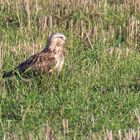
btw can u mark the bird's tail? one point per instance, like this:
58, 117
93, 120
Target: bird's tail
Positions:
8, 74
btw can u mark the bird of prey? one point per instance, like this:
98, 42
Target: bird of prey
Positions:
50, 59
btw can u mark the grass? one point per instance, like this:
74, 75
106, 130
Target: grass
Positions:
97, 94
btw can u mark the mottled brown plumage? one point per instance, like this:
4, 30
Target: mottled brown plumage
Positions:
48, 60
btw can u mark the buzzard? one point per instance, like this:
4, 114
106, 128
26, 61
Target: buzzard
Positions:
50, 59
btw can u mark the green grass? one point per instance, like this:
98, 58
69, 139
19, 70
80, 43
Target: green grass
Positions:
98, 88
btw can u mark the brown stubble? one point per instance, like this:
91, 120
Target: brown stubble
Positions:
89, 31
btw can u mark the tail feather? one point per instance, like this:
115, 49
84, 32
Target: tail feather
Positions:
8, 74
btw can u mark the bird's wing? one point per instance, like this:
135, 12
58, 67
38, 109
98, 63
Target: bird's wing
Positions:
38, 63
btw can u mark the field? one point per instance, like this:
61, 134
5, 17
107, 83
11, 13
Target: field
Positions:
97, 94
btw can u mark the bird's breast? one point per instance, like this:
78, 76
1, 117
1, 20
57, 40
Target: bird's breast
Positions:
59, 63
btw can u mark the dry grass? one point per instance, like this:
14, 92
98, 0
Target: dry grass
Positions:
103, 45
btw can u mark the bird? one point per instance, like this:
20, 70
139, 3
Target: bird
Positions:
49, 60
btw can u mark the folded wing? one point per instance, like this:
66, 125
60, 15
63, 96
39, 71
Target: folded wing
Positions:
37, 64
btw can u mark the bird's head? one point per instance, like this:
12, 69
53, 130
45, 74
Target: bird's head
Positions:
56, 41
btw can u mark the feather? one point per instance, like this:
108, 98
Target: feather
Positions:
51, 58
8, 74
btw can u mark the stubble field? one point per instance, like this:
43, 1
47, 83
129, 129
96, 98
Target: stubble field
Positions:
96, 96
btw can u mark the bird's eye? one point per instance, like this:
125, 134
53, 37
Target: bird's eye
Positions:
61, 37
